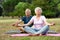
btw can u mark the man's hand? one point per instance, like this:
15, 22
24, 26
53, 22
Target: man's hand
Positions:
15, 24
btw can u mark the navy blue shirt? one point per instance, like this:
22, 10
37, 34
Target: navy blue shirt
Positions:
26, 20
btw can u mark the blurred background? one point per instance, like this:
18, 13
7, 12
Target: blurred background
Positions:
12, 10
16, 8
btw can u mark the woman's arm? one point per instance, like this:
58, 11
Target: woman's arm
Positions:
30, 22
46, 23
50, 24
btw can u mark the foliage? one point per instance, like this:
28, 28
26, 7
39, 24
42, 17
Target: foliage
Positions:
51, 8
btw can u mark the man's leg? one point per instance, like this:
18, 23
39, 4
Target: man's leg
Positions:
21, 29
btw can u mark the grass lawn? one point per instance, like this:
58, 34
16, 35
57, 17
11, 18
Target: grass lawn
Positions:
5, 25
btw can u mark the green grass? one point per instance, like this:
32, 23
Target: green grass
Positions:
5, 25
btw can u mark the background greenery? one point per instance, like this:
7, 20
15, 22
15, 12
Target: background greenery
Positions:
12, 8
51, 8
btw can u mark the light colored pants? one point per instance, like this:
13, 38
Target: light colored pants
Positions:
43, 30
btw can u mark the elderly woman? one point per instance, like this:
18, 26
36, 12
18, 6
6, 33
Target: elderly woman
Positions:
40, 25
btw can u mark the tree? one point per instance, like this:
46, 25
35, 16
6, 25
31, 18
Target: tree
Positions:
51, 8
1, 10
20, 8
9, 6
48, 7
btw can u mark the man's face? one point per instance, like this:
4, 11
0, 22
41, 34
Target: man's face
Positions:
27, 13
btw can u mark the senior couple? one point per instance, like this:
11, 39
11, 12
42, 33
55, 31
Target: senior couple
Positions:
36, 25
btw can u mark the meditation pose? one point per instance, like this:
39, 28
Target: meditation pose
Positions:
40, 25
25, 19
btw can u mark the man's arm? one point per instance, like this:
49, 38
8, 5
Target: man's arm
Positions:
16, 23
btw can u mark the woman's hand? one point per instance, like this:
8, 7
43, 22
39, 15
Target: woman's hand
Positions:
21, 25
52, 24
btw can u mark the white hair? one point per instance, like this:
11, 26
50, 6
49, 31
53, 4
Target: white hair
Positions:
38, 8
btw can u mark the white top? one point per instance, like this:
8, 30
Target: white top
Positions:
37, 24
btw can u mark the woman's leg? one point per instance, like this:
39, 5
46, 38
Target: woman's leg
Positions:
29, 30
43, 30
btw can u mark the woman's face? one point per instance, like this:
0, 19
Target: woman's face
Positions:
38, 12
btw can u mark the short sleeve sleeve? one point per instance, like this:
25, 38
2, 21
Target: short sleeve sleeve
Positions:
32, 19
43, 18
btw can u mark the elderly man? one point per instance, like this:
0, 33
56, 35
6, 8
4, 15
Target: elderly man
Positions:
25, 19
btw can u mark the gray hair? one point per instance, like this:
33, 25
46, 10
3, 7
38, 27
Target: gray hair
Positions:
38, 8
28, 10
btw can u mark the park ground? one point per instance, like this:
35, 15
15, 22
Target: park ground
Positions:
5, 25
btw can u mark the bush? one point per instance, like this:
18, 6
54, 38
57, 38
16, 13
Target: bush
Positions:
9, 5
51, 8
58, 6
49, 14
32, 8
20, 8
